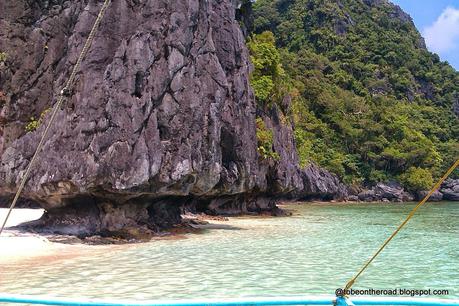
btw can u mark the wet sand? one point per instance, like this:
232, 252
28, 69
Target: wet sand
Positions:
23, 248
16, 246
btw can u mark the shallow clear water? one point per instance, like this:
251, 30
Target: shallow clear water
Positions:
314, 252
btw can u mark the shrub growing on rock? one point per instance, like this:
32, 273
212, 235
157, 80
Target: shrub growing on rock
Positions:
417, 179
3, 57
265, 141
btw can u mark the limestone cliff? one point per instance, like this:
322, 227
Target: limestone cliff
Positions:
162, 115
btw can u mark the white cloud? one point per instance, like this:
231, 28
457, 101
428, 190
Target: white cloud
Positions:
443, 34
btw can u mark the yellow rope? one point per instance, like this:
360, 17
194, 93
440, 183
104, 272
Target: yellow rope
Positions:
410, 215
57, 106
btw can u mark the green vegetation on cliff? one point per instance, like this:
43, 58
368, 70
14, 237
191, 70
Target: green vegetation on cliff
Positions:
268, 77
3, 57
370, 103
265, 141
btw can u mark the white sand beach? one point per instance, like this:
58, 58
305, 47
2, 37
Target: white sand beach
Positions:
18, 246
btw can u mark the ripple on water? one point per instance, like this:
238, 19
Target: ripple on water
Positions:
313, 252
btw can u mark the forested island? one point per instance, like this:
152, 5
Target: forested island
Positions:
369, 102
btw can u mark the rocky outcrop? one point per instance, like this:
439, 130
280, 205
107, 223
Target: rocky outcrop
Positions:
234, 205
85, 216
284, 177
450, 190
163, 96
435, 197
161, 114
394, 192
321, 184
386, 192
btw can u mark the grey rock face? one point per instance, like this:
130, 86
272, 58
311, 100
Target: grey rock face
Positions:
163, 96
450, 190
284, 177
384, 192
319, 183
435, 197
367, 196
391, 191
162, 109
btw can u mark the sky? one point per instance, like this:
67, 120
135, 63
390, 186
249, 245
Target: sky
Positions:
438, 22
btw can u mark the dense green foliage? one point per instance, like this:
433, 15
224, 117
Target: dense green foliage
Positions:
370, 103
417, 179
267, 77
265, 139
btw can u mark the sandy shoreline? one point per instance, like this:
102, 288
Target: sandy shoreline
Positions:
24, 248
16, 246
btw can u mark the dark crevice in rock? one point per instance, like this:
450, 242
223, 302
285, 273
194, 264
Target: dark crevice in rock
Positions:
138, 87
5, 202
228, 146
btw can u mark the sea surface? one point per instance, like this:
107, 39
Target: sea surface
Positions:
313, 252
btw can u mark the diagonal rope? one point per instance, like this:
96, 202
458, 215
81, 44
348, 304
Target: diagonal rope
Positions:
410, 215
65, 91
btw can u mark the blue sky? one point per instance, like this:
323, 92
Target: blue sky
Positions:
438, 22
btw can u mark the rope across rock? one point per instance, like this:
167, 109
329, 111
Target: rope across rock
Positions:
62, 96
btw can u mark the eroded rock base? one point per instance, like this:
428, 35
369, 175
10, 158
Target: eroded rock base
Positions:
142, 219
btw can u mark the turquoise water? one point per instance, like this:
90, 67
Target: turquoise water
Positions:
314, 252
